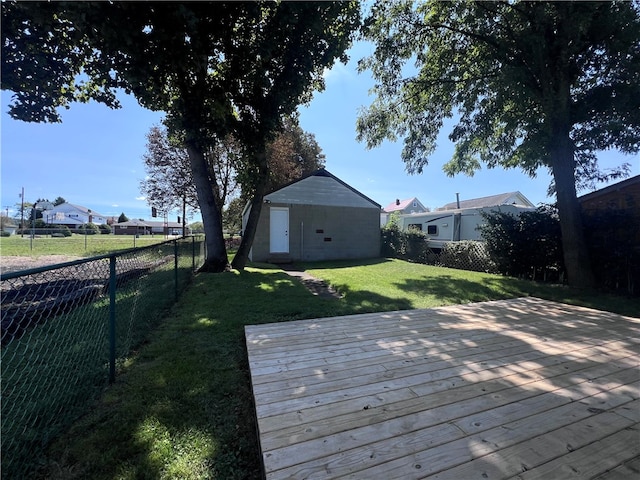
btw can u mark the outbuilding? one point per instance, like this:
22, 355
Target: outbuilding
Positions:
318, 217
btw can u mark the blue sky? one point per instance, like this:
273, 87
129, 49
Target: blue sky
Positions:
94, 158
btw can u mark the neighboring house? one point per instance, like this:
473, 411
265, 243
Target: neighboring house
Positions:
318, 217
620, 196
449, 225
402, 207
144, 227
509, 198
616, 209
71, 215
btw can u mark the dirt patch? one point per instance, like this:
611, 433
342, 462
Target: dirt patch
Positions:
16, 264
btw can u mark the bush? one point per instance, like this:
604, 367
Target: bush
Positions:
528, 245
4, 233
88, 229
466, 255
104, 228
410, 245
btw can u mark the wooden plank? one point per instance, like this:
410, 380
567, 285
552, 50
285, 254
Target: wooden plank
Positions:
317, 421
626, 471
409, 394
400, 441
537, 451
592, 460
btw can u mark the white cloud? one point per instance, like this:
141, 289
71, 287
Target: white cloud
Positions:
143, 198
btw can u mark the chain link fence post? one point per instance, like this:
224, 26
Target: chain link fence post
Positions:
112, 319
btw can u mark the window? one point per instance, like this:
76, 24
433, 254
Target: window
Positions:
432, 230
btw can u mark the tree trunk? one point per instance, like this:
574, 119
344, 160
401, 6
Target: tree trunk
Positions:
216, 256
574, 246
242, 255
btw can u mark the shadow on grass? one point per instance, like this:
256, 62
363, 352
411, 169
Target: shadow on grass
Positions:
183, 406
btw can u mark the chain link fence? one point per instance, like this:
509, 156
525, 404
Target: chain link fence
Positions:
463, 255
66, 327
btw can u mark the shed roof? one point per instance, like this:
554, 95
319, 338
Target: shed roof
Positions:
321, 188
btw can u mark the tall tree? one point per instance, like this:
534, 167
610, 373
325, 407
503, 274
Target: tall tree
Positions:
292, 154
535, 84
169, 181
214, 67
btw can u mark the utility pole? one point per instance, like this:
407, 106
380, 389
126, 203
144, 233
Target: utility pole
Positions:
22, 213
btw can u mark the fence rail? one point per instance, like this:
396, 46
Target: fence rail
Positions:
66, 327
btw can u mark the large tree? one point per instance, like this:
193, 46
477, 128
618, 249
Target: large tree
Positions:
532, 84
214, 67
169, 181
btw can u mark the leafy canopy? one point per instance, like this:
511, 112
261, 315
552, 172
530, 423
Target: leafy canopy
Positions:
505, 69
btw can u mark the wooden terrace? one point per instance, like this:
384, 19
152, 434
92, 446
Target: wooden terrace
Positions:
522, 388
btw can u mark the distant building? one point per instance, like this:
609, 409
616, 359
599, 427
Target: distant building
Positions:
145, 227
409, 206
450, 223
71, 215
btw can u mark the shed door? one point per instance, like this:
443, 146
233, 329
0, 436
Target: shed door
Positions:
279, 230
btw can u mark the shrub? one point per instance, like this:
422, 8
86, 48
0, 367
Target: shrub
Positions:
88, 229
467, 255
526, 245
4, 233
104, 228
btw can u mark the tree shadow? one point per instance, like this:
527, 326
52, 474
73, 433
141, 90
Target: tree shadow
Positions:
461, 388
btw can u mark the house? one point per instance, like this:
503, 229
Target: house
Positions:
613, 213
620, 196
509, 198
402, 207
448, 224
318, 217
71, 215
144, 227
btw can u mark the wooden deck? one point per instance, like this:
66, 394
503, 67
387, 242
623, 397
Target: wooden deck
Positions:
522, 388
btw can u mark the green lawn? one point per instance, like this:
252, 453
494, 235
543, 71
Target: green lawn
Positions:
182, 407
75, 245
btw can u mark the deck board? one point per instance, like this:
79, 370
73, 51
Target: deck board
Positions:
522, 388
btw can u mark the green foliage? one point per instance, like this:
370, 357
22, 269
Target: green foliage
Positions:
88, 229
4, 234
498, 66
526, 245
214, 68
466, 255
410, 245
613, 236
104, 228
197, 227
59, 201
532, 84
123, 218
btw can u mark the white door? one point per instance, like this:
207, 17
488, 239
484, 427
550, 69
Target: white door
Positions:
279, 233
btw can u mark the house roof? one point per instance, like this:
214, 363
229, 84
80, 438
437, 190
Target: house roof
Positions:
288, 194
509, 198
79, 208
611, 188
401, 204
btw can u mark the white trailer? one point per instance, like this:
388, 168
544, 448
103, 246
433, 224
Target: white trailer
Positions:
443, 226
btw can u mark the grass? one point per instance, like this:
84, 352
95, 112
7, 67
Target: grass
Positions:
75, 245
182, 407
